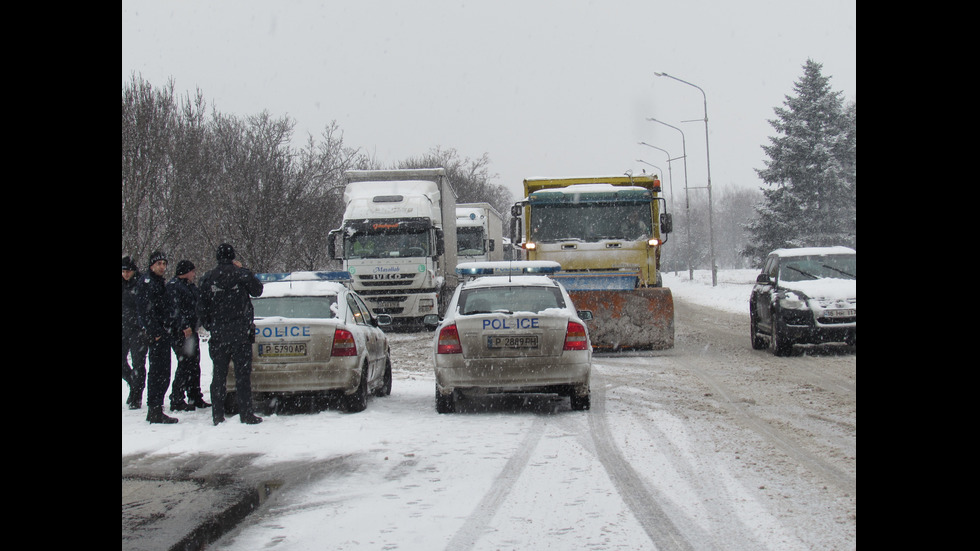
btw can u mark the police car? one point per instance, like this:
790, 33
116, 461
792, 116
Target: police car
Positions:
510, 328
315, 336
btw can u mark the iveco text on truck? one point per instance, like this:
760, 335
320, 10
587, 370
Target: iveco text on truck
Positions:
479, 233
606, 233
398, 240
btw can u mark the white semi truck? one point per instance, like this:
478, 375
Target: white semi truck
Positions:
398, 240
479, 233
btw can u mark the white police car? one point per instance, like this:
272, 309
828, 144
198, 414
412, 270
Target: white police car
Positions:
315, 336
517, 333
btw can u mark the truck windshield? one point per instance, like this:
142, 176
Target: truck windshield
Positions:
591, 221
384, 245
469, 241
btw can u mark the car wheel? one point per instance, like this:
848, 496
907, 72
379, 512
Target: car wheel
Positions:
758, 342
385, 388
580, 403
358, 400
781, 345
445, 404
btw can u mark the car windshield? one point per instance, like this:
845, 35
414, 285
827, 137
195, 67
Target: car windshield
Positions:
509, 299
808, 268
296, 307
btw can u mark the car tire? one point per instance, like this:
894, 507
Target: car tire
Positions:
357, 401
758, 342
781, 345
580, 403
385, 388
445, 404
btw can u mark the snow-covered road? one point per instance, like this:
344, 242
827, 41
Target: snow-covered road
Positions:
710, 445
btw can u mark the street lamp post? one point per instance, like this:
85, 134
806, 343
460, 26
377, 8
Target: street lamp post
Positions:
711, 230
670, 171
687, 198
649, 164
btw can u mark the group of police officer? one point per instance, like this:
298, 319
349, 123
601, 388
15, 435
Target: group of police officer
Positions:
159, 316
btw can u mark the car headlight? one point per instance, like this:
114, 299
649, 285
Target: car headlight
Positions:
793, 300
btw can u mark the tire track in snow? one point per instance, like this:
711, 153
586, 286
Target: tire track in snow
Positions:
476, 524
643, 501
823, 469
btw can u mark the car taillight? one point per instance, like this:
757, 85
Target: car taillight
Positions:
343, 343
575, 337
449, 341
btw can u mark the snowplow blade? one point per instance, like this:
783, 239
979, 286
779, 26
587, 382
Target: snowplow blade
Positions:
637, 319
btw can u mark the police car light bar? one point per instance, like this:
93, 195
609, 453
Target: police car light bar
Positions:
504, 267
304, 276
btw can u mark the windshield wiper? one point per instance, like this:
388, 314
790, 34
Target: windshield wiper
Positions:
852, 276
795, 269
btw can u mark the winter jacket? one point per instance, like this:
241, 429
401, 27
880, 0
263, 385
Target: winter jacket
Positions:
130, 321
155, 308
225, 307
184, 295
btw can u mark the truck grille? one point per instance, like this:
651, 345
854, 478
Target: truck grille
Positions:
389, 280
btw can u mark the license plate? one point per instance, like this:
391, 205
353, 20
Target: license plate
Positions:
840, 313
282, 350
388, 304
512, 341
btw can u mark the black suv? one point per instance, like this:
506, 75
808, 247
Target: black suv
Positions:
806, 296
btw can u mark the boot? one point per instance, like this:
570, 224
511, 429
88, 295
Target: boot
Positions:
135, 399
155, 415
180, 405
250, 419
199, 403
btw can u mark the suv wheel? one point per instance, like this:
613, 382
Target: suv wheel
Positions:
758, 342
781, 345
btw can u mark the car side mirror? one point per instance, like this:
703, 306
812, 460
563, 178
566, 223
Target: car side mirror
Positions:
666, 222
586, 315
763, 279
431, 321
383, 320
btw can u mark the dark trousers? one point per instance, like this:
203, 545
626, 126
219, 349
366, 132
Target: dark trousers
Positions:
239, 351
158, 376
187, 376
133, 345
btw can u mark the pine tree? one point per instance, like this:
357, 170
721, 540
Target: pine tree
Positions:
811, 171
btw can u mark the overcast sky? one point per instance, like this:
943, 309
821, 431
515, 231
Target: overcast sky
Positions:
545, 88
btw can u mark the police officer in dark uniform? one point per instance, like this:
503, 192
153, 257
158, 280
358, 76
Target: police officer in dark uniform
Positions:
156, 315
133, 342
186, 345
225, 310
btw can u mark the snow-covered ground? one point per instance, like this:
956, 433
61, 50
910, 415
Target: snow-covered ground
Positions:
402, 476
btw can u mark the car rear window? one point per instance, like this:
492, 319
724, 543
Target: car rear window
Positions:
295, 307
509, 299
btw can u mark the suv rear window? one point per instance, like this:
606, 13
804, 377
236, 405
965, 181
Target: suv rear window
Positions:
509, 299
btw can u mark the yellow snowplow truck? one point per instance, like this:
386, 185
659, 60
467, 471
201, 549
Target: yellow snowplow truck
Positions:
606, 232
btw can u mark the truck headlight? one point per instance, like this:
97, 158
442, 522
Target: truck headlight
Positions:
426, 304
